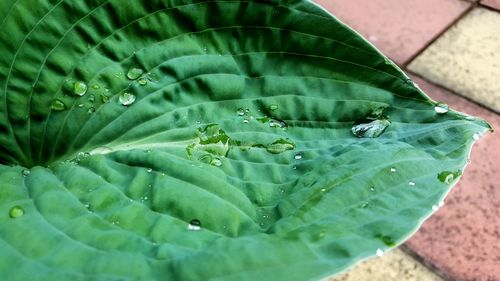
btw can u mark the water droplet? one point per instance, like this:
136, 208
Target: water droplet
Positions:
26, 172
273, 107
143, 81
448, 177
393, 170
144, 198
79, 88
240, 111
372, 129
411, 183
57, 105
198, 122
127, 99
245, 121
80, 105
95, 87
364, 205
149, 170
323, 189
194, 225
441, 204
134, 73
104, 98
87, 205
435, 207
297, 156
273, 123
380, 252
16, 212
476, 136
441, 108
372, 189
91, 110
469, 161
280, 146
91, 98
216, 162
294, 168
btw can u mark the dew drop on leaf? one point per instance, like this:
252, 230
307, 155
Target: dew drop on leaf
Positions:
380, 252
372, 129
127, 99
91, 98
273, 107
91, 110
441, 108
216, 162
16, 212
372, 189
448, 177
149, 170
26, 172
240, 112
80, 88
134, 73
95, 87
57, 105
143, 81
273, 123
476, 136
435, 207
298, 156
393, 170
194, 225
411, 183
280, 146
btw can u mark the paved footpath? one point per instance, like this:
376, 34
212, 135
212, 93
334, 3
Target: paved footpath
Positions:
451, 48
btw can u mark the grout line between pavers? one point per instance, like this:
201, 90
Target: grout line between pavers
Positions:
437, 84
444, 30
426, 263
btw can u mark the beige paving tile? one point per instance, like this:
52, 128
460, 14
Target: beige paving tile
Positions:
466, 58
393, 266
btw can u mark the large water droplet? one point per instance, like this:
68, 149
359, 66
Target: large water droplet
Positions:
134, 73
127, 99
194, 225
441, 108
57, 105
280, 146
16, 212
79, 88
211, 139
372, 129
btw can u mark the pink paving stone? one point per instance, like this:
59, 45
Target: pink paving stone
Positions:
492, 3
462, 240
400, 29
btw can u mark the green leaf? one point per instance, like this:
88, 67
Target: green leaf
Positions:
208, 140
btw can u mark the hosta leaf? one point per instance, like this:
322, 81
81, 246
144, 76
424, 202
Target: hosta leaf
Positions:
208, 140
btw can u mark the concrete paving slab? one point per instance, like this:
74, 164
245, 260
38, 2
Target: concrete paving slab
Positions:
495, 4
393, 266
462, 240
466, 59
400, 29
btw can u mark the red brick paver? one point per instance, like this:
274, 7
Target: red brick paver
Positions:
462, 240
400, 29
495, 4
